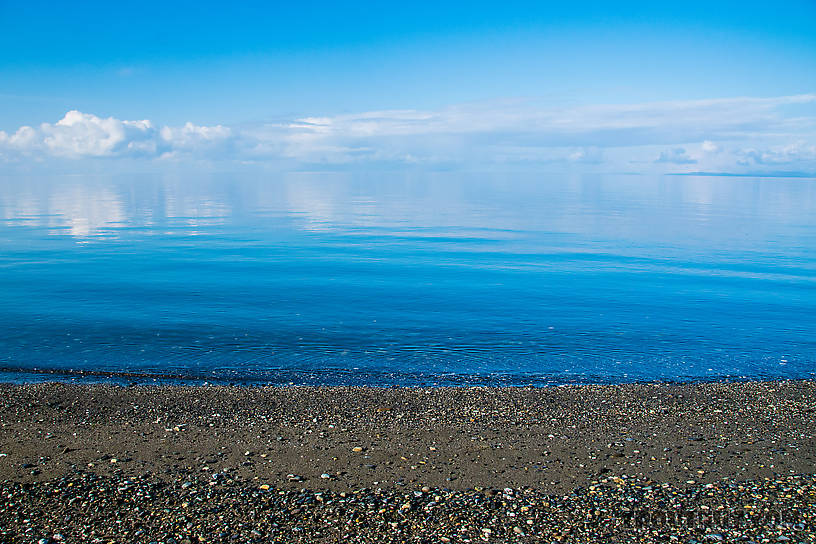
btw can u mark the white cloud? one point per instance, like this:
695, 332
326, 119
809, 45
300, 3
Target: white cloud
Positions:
525, 130
84, 135
677, 155
757, 131
586, 155
793, 153
192, 137
24, 138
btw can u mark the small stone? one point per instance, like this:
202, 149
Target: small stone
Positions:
356, 449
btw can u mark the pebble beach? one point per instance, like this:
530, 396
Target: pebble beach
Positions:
705, 462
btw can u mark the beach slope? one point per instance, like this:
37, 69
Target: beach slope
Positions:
224, 464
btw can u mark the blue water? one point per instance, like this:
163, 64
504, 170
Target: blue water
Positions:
441, 278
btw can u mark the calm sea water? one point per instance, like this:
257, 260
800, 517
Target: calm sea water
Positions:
408, 279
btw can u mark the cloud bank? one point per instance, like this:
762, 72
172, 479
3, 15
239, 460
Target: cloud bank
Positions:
718, 135
83, 135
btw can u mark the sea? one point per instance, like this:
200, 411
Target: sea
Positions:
406, 278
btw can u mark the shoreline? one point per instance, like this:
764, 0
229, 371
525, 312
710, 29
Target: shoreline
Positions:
467, 443
13, 375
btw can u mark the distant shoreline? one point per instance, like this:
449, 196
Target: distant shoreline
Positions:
795, 175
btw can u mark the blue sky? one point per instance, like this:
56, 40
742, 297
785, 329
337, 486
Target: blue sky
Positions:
295, 85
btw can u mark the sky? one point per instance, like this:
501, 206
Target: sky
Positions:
589, 86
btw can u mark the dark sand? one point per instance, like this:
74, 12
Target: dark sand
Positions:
578, 463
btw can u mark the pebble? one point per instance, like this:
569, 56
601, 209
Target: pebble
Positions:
77, 508
136, 501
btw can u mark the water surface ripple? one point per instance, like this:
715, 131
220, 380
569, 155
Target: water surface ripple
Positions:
407, 279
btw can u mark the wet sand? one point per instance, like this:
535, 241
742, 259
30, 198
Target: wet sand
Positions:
232, 464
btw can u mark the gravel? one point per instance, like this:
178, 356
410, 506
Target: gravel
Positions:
715, 462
